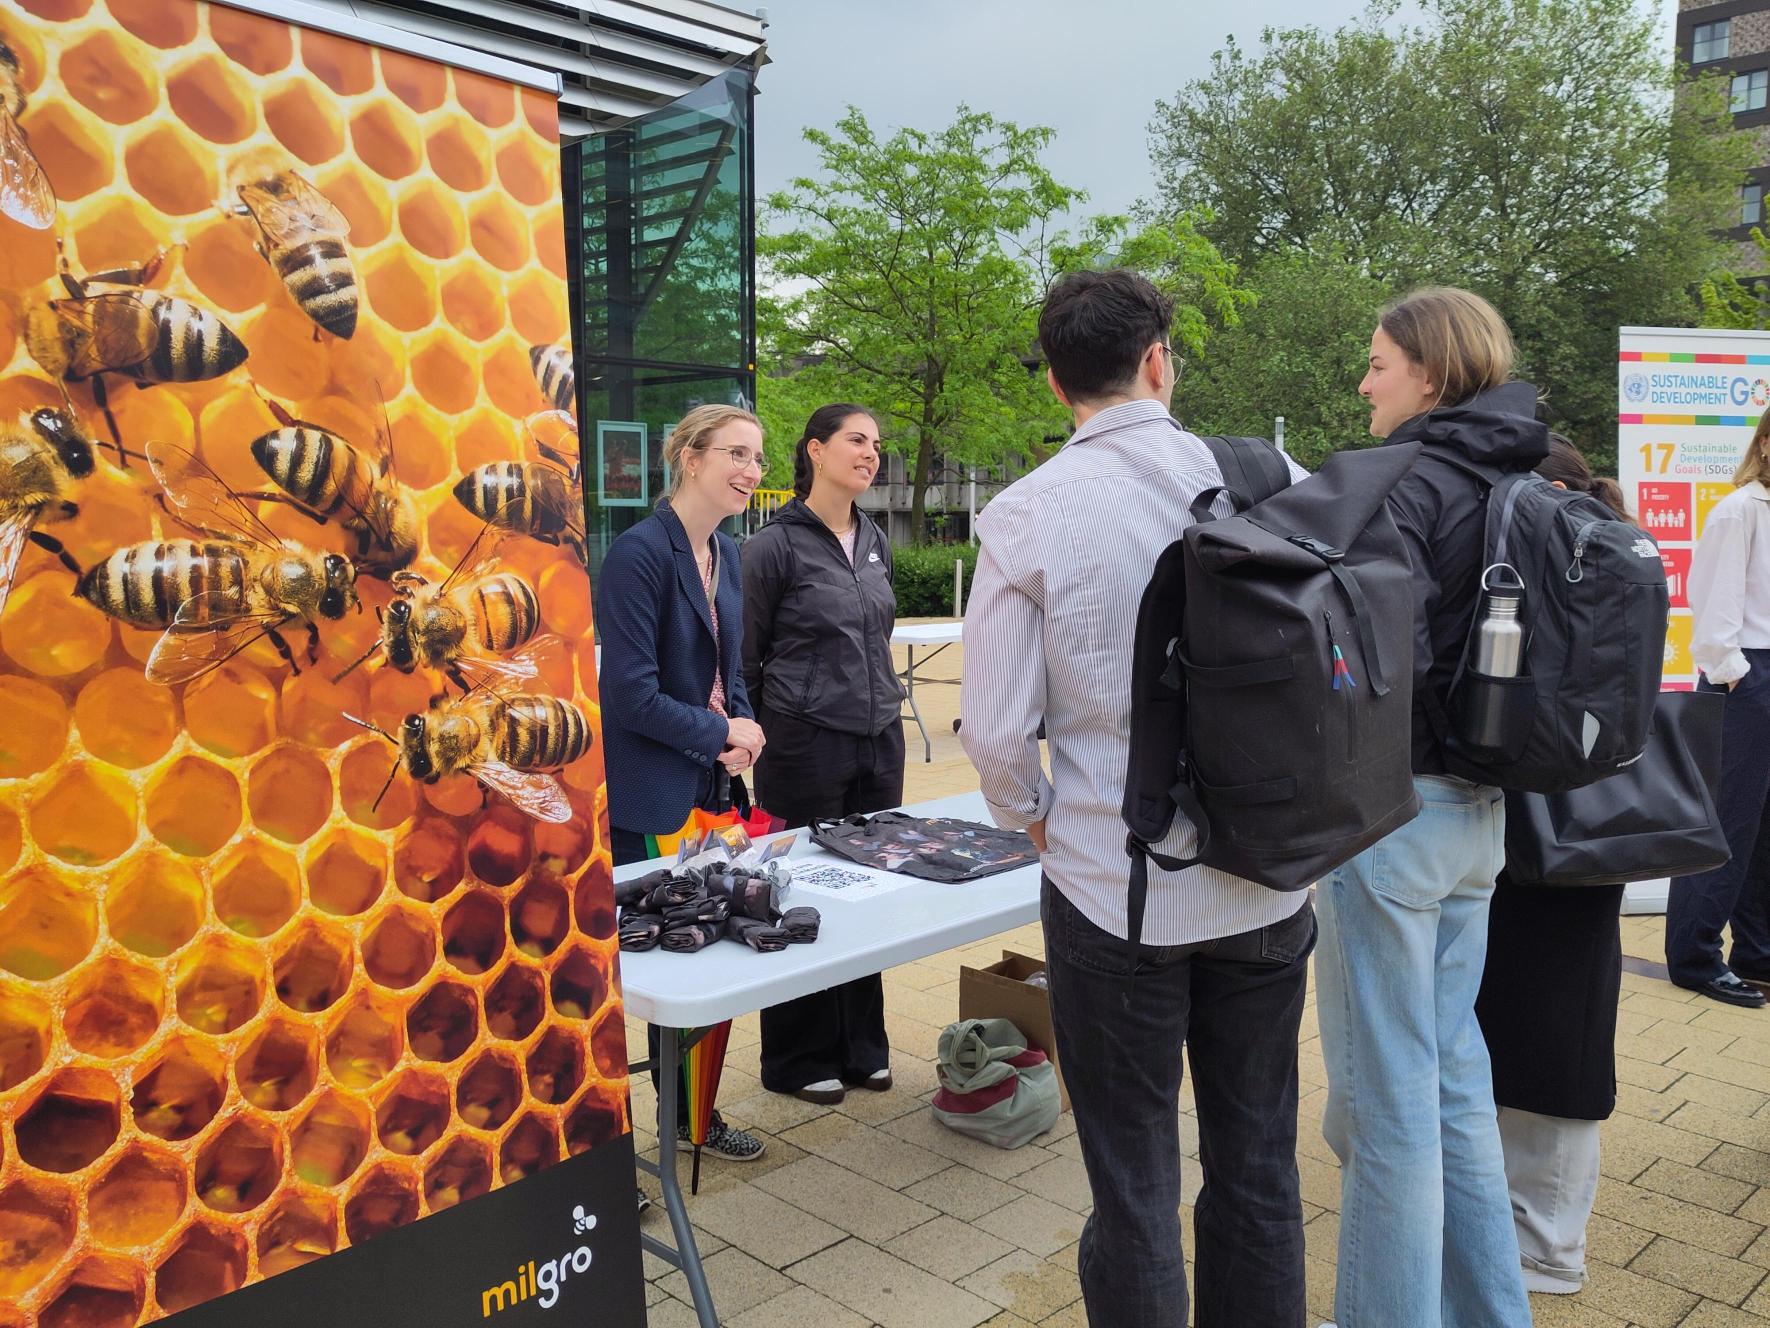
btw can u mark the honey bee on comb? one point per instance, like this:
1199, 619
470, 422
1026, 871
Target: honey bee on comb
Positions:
302, 236
216, 596
25, 192
554, 375
540, 499
42, 456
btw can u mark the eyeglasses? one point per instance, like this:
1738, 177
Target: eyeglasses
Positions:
742, 458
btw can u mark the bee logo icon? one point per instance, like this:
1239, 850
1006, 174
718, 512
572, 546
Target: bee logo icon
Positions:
582, 1221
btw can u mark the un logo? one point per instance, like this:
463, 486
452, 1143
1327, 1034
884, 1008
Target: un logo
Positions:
1635, 388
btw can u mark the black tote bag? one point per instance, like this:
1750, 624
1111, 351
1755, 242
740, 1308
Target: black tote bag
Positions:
1651, 819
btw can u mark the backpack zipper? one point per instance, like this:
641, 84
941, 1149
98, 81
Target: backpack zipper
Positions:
1576, 569
1343, 682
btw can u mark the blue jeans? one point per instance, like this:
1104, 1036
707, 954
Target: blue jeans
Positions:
1235, 1005
1426, 1233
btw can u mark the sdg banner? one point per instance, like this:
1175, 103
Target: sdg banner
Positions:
308, 990
1688, 401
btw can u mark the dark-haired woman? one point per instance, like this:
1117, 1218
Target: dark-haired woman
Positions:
1548, 1012
818, 614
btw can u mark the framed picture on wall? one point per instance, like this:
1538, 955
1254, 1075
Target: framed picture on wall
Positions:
622, 464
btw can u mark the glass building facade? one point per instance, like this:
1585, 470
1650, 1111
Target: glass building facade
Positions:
663, 295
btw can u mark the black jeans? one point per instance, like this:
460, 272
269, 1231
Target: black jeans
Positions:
812, 773
1738, 891
1235, 1004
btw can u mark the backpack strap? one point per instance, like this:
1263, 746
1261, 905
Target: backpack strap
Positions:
1252, 469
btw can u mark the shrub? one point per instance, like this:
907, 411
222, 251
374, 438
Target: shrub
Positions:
922, 576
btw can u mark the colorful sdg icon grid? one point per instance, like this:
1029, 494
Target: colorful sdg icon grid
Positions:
246, 1018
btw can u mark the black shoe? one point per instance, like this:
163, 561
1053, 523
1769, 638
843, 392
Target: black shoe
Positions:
1756, 979
1731, 990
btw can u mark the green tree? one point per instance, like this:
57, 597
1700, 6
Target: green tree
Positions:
1542, 152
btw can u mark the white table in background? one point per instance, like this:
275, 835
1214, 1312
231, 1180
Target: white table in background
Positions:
937, 635
689, 993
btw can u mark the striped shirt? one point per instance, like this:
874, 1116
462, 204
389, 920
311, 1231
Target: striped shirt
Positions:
1065, 554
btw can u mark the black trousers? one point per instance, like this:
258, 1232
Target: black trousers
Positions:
810, 773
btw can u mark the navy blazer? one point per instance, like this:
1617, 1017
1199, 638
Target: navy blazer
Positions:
659, 738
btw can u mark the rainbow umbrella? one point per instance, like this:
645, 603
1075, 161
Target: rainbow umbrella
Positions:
702, 1064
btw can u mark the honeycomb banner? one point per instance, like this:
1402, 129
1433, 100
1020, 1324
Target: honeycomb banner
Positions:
271, 302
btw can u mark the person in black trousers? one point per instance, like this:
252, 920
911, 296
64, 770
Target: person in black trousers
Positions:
818, 614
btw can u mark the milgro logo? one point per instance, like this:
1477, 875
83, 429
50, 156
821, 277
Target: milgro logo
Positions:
542, 1283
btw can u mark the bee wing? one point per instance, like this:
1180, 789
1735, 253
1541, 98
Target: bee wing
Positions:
540, 795
493, 672
473, 564
118, 327
25, 192
292, 209
186, 655
14, 531
202, 500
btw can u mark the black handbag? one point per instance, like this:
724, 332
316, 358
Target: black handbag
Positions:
1651, 819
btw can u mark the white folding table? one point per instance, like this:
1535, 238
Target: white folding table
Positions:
686, 994
937, 635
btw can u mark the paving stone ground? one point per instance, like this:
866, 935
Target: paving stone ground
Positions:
869, 1213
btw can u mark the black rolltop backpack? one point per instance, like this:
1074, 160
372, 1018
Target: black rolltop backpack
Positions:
1272, 682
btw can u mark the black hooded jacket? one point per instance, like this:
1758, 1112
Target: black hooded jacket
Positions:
1442, 512
817, 632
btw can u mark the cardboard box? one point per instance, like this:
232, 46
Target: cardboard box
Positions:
999, 991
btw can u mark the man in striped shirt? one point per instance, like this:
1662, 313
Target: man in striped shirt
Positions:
1222, 962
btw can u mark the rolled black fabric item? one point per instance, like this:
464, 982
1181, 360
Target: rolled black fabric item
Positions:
753, 896
691, 936
759, 936
674, 891
702, 908
640, 931
801, 924
631, 892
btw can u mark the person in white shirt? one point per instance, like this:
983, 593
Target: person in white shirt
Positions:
1221, 965
1730, 594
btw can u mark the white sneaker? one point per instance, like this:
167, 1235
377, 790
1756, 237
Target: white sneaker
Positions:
1547, 1284
825, 1092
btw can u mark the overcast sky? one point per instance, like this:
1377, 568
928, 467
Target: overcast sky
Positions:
1090, 69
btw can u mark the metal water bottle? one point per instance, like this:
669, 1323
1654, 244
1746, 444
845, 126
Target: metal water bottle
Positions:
1489, 707
1499, 639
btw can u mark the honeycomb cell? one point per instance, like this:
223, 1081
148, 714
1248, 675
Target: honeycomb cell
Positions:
72, 1123
421, 84
345, 66
364, 791
289, 793
532, 1145
444, 374
261, 45
36, 1230
11, 839
540, 917
473, 932
348, 873
153, 904
472, 302
527, 171
490, 101
461, 1170
431, 221
461, 155
608, 1044
279, 1066
561, 849
542, 113
452, 529
220, 985
400, 948
103, 1292
155, 22
286, 360
313, 970
206, 1262
489, 1093
24, 1038
510, 380
117, 231
384, 1199
123, 718
550, 240
101, 73
49, 632
239, 1167
73, 147
138, 1200
486, 436
537, 309
414, 1112
365, 203
222, 265
172, 170
556, 1066
85, 815
213, 100
365, 1044
331, 1140
499, 232
499, 847
299, 1229
36, 727
257, 889
47, 925
28, 260
313, 708
515, 1003
387, 139
305, 121
181, 1092
444, 1022
579, 985
231, 711
193, 806
402, 289
113, 1007
421, 442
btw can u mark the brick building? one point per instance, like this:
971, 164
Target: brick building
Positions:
1733, 38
